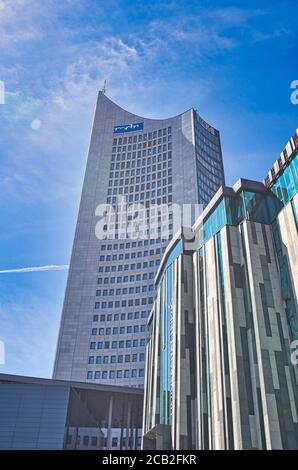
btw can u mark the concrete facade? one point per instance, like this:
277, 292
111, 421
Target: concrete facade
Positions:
110, 289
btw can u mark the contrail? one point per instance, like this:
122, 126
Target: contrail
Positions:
50, 267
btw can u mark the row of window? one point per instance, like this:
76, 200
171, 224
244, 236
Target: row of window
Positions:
125, 279
116, 359
119, 316
130, 255
121, 256
133, 145
127, 267
119, 330
122, 173
135, 150
124, 291
112, 374
95, 441
160, 178
123, 303
142, 137
128, 245
124, 161
140, 195
160, 200
135, 343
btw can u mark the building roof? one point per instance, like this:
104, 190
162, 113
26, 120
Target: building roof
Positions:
20, 379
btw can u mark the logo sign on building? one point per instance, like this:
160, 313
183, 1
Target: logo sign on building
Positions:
206, 126
138, 126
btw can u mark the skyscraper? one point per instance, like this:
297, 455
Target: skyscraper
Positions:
110, 287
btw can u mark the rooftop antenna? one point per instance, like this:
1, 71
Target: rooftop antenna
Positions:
104, 88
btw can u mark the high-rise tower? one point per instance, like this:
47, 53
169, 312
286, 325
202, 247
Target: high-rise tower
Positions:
110, 287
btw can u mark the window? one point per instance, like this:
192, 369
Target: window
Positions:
141, 372
92, 345
105, 374
119, 374
85, 440
127, 357
142, 357
99, 345
105, 359
98, 359
89, 375
115, 439
113, 359
97, 374
91, 360
94, 331
94, 441
134, 373
135, 343
126, 374
128, 343
95, 317
112, 374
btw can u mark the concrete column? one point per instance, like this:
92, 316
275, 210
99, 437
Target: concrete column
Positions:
128, 424
110, 416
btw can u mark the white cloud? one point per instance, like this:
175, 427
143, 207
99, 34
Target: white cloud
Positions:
51, 267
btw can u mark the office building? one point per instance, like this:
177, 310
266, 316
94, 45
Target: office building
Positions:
221, 369
110, 289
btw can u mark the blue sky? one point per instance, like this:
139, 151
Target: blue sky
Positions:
233, 61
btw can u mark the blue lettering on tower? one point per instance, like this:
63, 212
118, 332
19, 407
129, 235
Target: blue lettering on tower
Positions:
138, 126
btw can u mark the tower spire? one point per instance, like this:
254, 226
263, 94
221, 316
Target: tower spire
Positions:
104, 88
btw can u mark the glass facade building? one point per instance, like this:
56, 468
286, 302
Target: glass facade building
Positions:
220, 372
110, 289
